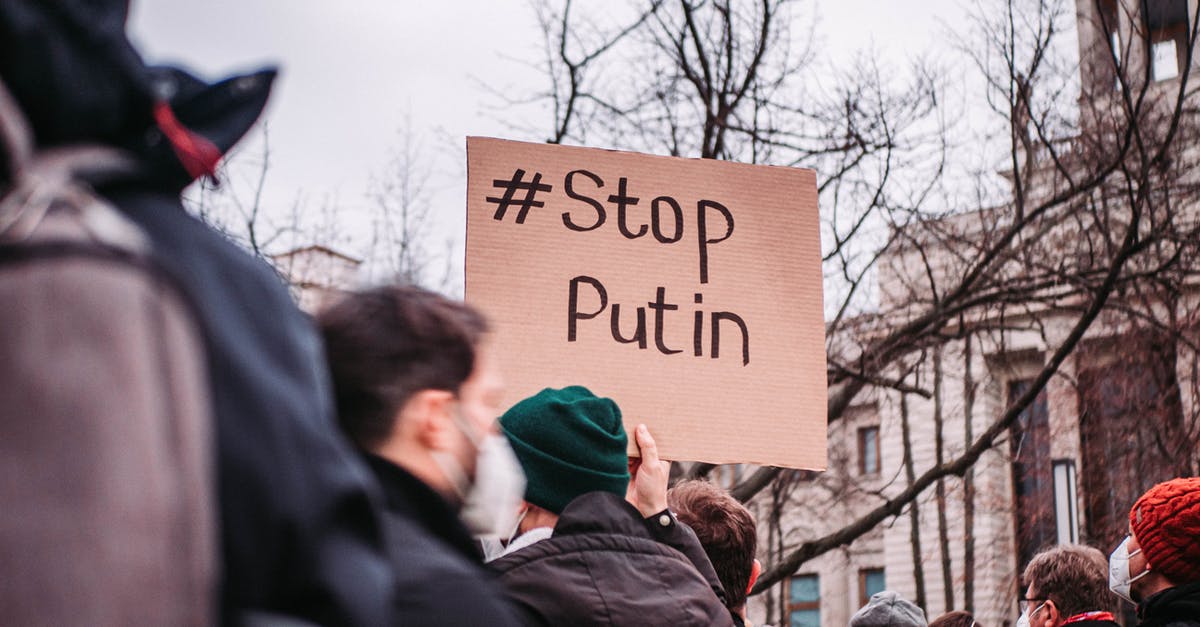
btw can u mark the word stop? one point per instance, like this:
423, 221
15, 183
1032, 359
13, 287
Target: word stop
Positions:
665, 230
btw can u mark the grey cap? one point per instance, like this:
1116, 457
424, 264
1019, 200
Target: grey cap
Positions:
888, 609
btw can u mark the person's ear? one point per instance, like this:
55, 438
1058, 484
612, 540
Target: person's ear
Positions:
755, 571
1051, 617
427, 414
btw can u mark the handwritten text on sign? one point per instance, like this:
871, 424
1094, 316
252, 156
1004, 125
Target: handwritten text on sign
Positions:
588, 213
616, 271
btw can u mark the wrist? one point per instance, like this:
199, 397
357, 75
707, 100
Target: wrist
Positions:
661, 518
650, 509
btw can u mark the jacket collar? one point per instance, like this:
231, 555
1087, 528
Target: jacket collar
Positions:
411, 498
1171, 604
600, 512
529, 538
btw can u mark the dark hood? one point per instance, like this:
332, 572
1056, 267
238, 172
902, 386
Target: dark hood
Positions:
79, 79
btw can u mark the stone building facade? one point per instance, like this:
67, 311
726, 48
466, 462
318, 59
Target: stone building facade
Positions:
1119, 415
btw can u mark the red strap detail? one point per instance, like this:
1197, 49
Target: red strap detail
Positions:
198, 155
1090, 616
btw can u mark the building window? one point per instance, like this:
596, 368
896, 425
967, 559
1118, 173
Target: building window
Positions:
870, 582
1164, 59
1108, 22
1066, 507
1100, 71
1167, 22
1033, 482
804, 601
868, 450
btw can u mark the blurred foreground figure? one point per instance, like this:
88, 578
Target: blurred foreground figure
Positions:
585, 555
130, 332
1158, 565
1067, 584
418, 391
728, 534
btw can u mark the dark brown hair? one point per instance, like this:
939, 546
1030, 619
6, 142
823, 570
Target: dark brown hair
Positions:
385, 344
726, 531
957, 618
1074, 576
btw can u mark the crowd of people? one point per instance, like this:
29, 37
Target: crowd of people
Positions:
1156, 568
180, 445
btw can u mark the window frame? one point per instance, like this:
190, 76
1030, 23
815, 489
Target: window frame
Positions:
1161, 33
802, 605
863, 597
862, 450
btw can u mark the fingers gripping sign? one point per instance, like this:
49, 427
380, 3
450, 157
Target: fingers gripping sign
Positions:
649, 476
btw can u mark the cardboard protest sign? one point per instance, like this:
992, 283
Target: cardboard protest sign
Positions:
687, 290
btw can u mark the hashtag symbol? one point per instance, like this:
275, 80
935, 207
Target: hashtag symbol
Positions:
510, 188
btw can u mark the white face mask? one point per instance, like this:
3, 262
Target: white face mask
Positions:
490, 502
1023, 621
1119, 580
494, 546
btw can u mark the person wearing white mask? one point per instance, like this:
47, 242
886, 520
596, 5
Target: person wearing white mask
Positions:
1067, 585
1157, 566
419, 392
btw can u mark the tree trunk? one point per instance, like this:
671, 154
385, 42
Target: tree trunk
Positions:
913, 510
968, 484
940, 488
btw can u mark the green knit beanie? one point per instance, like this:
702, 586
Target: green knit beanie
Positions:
569, 441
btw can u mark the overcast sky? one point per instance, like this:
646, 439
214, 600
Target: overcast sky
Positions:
352, 70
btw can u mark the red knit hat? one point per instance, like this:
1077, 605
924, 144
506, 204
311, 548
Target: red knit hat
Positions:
1166, 522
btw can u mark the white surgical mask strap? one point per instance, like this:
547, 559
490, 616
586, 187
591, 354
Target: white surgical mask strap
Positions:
1140, 575
517, 525
1144, 572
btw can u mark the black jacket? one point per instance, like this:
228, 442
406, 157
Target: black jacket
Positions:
441, 579
1173, 607
299, 527
299, 530
605, 565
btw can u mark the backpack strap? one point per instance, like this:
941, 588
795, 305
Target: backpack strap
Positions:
60, 178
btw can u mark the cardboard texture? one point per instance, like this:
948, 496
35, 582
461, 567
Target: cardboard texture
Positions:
565, 242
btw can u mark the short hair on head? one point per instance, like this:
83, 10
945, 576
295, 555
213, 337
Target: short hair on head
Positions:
385, 344
726, 530
1074, 576
957, 618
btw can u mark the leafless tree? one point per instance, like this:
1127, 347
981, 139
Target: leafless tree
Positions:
235, 202
391, 234
399, 247
1095, 216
